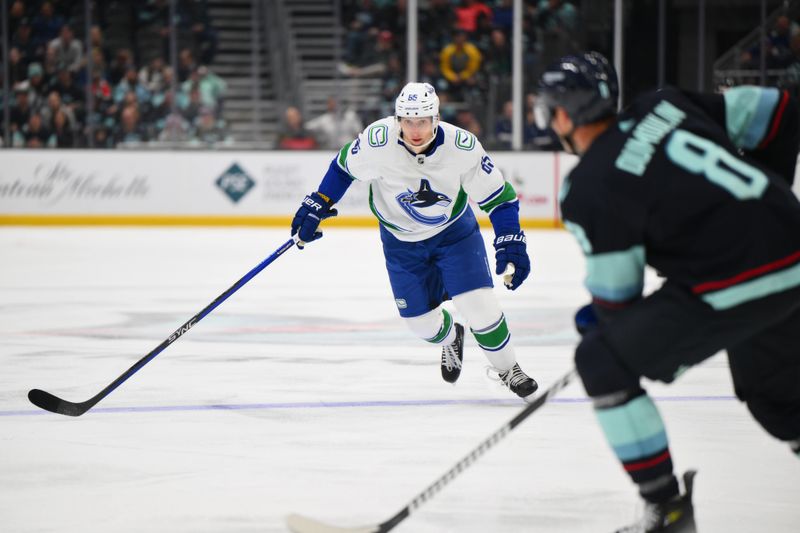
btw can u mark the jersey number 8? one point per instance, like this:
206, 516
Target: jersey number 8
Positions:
702, 156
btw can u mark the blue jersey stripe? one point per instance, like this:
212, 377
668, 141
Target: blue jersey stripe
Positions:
753, 289
748, 111
616, 276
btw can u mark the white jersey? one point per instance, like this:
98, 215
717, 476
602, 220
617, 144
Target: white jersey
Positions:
417, 196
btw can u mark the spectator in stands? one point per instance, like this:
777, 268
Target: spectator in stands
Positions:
466, 120
498, 54
16, 14
175, 129
557, 15
152, 76
459, 62
435, 24
334, 128
23, 41
391, 83
373, 57
557, 22
391, 16
71, 95
161, 102
46, 25
130, 83
212, 88
21, 109
101, 138
97, 40
503, 127
102, 113
67, 50
354, 41
98, 65
62, 131
186, 64
53, 107
429, 73
209, 130
533, 137
503, 16
778, 45
294, 136
35, 134
130, 129
468, 12
122, 62
100, 87
17, 67
190, 106
791, 77
50, 64
37, 84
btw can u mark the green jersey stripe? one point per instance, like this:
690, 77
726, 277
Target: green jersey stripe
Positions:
508, 195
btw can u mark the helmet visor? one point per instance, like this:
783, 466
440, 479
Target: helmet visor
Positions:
543, 111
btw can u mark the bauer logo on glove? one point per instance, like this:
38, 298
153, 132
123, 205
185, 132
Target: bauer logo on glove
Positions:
315, 208
512, 259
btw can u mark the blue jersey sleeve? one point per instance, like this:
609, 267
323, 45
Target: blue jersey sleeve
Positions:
335, 182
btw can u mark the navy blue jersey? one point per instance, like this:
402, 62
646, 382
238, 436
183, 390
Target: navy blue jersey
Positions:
680, 182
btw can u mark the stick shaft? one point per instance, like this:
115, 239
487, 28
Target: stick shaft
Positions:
57, 405
475, 454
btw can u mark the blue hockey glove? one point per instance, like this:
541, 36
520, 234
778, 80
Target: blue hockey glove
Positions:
315, 208
511, 248
585, 319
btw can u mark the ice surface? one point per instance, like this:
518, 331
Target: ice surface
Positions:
305, 393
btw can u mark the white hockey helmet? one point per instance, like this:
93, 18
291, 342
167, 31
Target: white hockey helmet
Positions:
418, 100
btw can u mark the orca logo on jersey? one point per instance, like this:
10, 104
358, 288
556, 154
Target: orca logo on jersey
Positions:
425, 197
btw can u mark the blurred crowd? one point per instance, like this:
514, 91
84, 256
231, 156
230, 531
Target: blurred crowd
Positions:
465, 53
134, 95
127, 100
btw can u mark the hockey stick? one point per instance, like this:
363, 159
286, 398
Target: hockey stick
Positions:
49, 402
301, 524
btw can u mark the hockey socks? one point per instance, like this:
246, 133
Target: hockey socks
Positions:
436, 327
494, 340
634, 429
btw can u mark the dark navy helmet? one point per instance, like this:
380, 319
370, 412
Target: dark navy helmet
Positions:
585, 85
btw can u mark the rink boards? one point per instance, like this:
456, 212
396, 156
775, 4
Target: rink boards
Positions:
40, 187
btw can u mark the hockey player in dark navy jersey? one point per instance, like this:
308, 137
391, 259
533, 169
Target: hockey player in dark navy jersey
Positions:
697, 186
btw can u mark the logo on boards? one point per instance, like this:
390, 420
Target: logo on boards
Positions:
235, 183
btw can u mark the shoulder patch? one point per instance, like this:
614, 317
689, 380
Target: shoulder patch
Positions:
378, 135
465, 140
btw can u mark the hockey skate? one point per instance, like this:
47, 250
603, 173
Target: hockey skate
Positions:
452, 356
518, 381
674, 516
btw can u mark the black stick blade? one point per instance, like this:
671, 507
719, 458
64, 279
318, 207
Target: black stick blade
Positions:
54, 404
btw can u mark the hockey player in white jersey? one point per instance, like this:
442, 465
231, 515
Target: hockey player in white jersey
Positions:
421, 173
